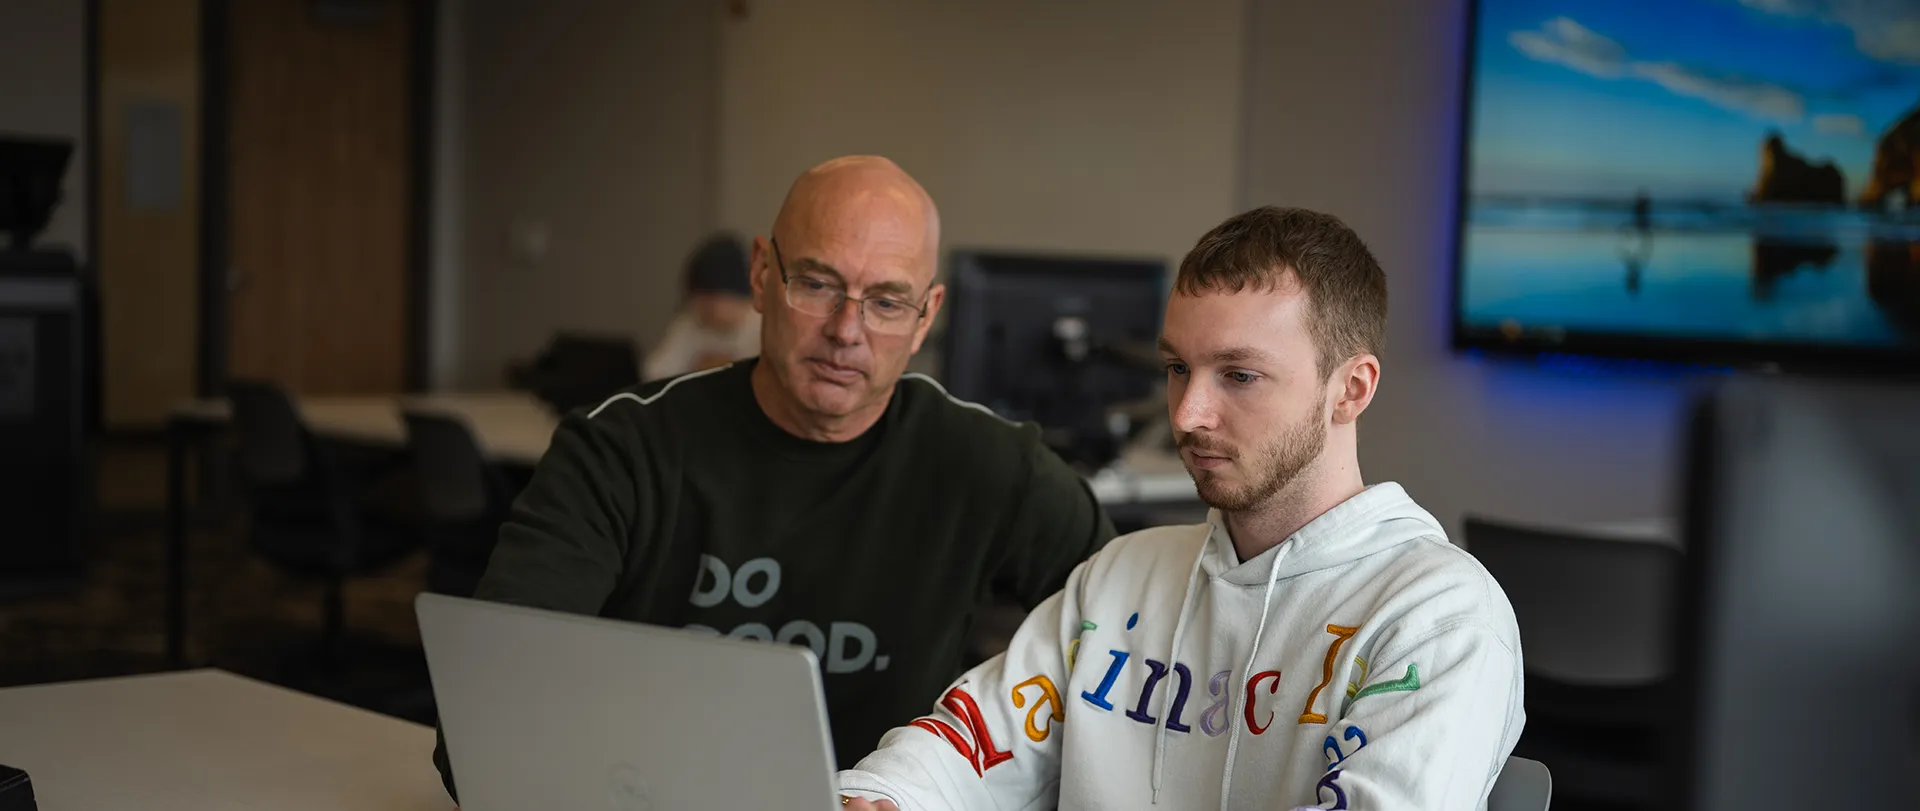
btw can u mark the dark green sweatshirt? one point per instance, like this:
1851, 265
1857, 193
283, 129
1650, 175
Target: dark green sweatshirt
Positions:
680, 503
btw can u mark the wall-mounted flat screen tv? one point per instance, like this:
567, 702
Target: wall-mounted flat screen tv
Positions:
1718, 181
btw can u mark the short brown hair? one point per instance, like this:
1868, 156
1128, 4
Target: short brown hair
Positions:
1258, 250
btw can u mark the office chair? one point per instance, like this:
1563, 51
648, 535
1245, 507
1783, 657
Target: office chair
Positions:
313, 514
1524, 785
463, 500
1595, 617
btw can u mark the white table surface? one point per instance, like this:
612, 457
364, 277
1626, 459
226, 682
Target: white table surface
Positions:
511, 427
207, 740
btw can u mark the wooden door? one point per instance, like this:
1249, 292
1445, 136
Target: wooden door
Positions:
319, 173
149, 206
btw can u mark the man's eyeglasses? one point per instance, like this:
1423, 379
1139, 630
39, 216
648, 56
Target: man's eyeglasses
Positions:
819, 295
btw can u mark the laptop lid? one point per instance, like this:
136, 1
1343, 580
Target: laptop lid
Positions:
544, 709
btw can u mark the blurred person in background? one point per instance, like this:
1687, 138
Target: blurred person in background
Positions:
716, 324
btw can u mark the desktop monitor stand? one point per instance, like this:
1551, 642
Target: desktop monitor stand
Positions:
45, 419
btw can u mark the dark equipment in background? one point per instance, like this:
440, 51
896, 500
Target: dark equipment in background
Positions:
1057, 340
578, 370
31, 170
49, 405
1799, 645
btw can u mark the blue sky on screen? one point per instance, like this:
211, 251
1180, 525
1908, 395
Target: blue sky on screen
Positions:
1603, 98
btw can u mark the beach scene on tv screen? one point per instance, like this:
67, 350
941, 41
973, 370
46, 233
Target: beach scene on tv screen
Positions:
1726, 170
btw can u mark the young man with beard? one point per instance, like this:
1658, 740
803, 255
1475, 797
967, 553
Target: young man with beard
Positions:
1316, 643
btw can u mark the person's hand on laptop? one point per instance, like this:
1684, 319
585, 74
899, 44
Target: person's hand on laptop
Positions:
857, 804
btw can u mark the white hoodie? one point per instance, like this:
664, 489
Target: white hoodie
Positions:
1363, 663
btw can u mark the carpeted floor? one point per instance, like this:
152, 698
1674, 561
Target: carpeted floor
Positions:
243, 614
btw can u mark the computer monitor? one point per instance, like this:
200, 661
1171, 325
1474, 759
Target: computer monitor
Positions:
31, 170
1799, 638
1054, 339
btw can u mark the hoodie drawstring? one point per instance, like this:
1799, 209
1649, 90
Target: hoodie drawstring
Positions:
1233, 737
1179, 632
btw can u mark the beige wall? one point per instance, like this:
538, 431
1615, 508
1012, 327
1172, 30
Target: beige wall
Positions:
43, 92
627, 130
593, 119
1127, 126
1076, 125
1352, 108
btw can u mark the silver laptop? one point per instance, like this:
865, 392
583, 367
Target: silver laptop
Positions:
549, 710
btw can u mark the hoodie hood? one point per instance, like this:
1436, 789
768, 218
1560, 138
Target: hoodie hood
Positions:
1378, 518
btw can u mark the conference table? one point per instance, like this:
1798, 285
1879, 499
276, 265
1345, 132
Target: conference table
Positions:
207, 739
512, 429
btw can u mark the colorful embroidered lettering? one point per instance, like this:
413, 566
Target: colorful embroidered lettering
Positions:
1073, 650
1180, 699
1341, 634
982, 752
1214, 720
1336, 757
1253, 684
960, 744
1360, 677
1404, 684
1098, 698
1157, 672
1049, 696
1331, 782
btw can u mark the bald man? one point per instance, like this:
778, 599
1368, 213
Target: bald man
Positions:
815, 495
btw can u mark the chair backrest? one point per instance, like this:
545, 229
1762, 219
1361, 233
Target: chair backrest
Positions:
1592, 611
451, 473
1524, 785
272, 441
613, 355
